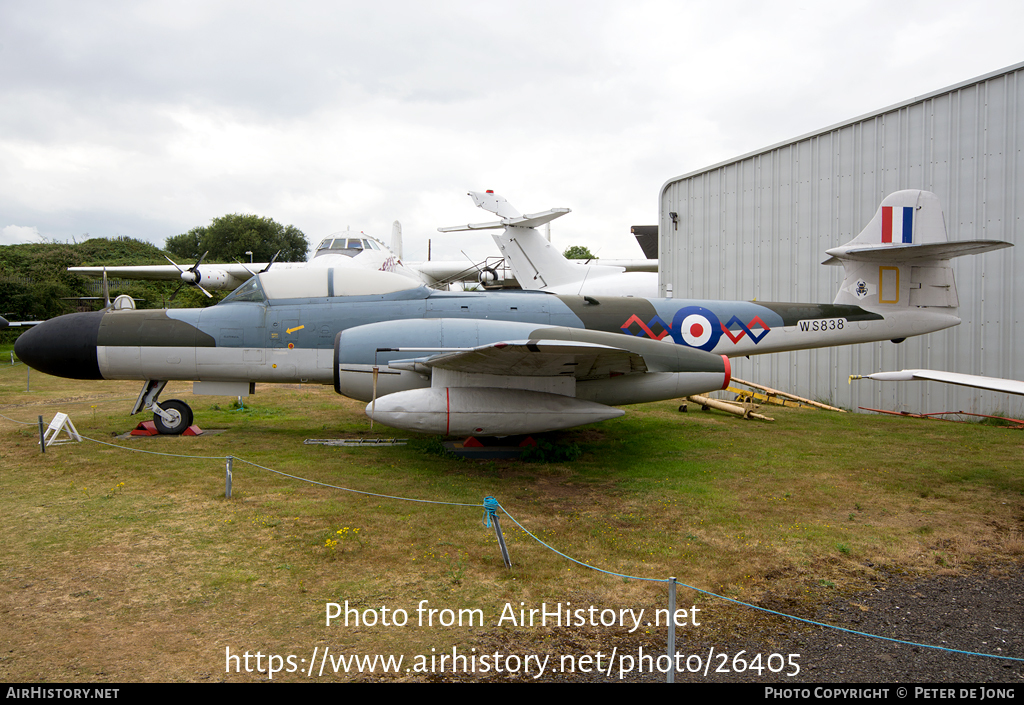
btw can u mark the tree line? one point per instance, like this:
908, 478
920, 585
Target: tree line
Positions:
35, 283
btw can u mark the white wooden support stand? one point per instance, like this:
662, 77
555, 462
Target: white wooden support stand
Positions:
61, 422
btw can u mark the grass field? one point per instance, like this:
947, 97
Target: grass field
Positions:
125, 566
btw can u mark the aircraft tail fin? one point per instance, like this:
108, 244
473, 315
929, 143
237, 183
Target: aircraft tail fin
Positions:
396, 239
901, 258
534, 261
538, 265
490, 201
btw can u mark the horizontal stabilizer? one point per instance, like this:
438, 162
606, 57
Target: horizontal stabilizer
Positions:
535, 219
472, 226
530, 220
911, 253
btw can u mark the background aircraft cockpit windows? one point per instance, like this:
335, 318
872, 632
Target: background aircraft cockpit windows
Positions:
341, 244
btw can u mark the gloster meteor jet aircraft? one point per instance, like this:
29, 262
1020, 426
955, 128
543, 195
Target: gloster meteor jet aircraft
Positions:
501, 363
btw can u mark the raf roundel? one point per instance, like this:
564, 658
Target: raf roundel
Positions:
696, 327
696, 330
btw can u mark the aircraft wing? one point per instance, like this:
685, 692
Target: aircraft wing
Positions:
535, 358
4, 323
996, 384
166, 272
447, 270
463, 271
630, 265
541, 384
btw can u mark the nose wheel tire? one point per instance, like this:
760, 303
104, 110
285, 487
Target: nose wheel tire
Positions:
181, 418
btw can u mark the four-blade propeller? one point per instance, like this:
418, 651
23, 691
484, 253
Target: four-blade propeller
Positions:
190, 276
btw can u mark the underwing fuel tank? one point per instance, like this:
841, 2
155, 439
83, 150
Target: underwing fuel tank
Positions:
483, 411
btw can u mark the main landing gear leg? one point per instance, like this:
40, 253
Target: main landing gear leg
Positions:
172, 417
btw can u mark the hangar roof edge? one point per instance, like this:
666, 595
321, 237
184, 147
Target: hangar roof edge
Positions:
874, 113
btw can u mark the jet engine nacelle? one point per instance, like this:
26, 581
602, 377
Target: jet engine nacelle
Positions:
355, 351
480, 398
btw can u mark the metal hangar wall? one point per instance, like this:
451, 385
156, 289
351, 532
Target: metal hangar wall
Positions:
757, 227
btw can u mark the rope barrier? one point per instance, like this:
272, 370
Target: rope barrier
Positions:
491, 505
758, 608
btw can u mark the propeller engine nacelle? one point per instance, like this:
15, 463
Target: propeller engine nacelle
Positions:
210, 278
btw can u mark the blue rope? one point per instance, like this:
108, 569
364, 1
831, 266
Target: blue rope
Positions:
762, 609
347, 489
491, 507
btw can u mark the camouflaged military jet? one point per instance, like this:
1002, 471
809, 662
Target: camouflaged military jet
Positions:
507, 362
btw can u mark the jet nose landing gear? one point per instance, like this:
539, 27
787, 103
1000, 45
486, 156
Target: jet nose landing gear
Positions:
172, 417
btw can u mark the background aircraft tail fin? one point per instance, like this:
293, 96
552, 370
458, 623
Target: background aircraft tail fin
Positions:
396, 239
901, 259
538, 265
534, 261
490, 201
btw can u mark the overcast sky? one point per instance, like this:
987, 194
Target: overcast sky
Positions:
146, 119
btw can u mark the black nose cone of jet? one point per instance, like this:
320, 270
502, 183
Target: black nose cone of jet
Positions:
64, 346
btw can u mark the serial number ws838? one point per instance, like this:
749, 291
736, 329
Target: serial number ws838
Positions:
821, 324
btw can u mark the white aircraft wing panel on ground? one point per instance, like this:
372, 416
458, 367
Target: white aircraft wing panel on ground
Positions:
995, 384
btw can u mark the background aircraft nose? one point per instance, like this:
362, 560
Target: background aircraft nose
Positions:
64, 346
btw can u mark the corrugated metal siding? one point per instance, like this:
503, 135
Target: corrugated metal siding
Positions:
757, 227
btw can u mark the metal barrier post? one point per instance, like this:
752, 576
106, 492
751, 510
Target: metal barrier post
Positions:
491, 514
670, 677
